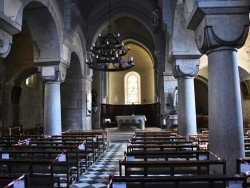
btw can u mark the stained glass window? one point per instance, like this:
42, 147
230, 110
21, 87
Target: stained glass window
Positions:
132, 89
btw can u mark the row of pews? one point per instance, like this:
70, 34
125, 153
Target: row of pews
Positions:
19, 130
166, 159
49, 161
202, 140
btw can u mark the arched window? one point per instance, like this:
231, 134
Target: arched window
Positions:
32, 81
132, 88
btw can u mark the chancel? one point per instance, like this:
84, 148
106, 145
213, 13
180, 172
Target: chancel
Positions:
83, 79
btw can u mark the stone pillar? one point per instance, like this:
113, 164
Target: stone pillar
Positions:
185, 70
220, 28
184, 60
96, 85
52, 74
52, 108
186, 110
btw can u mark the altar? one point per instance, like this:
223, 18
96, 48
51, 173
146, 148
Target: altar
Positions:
131, 120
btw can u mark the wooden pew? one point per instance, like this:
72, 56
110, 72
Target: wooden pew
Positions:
92, 144
170, 168
247, 146
167, 155
8, 180
161, 147
147, 142
200, 139
77, 157
196, 181
154, 134
102, 135
21, 137
6, 142
42, 171
243, 167
162, 138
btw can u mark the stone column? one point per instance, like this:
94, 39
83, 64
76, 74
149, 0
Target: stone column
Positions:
96, 84
52, 74
220, 28
52, 108
185, 70
184, 60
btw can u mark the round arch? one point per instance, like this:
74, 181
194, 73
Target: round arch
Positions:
45, 30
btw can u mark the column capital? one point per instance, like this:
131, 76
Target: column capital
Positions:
219, 23
52, 71
5, 43
184, 66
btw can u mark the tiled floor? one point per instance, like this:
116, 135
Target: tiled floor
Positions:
97, 176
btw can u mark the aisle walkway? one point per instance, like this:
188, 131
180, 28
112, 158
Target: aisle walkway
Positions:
97, 176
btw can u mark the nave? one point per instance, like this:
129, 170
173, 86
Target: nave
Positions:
98, 175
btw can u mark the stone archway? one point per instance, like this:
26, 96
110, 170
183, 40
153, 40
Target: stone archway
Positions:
72, 97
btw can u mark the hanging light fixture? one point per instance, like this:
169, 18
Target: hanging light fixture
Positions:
107, 55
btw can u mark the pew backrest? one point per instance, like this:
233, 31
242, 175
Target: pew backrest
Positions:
211, 181
146, 168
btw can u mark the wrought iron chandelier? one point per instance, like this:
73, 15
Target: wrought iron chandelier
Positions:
107, 54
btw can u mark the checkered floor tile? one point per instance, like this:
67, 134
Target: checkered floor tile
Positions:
97, 176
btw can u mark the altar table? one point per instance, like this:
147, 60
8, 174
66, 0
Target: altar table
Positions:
131, 120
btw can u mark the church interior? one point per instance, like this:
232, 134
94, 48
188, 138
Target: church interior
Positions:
126, 81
